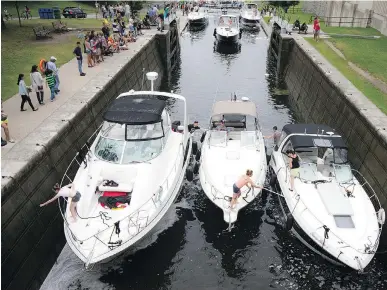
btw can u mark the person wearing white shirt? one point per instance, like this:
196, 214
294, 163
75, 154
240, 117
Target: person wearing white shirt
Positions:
37, 83
52, 66
23, 92
127, 11
69, 192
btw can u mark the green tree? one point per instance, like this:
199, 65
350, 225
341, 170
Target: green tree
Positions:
136, 6
2, 22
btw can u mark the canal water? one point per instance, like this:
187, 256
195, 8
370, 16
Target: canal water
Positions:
191, 248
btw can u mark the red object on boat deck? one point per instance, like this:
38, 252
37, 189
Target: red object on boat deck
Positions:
114, 194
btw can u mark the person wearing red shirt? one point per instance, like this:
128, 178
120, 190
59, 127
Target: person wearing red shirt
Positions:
316, 28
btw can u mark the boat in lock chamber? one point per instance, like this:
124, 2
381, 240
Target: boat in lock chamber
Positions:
249, 16
128, 177
232, 144
330, 207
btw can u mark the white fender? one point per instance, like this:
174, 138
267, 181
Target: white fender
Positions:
381, 216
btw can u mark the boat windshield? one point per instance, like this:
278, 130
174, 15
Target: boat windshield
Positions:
326, 162
124, 144
218, 138
251, 6
228, 21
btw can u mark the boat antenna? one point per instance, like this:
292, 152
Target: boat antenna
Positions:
152, 76
143, 78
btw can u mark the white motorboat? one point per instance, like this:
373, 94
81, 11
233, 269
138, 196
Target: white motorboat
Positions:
128, 177
197, 18
226, 153
228, 29
250, 16
332, 209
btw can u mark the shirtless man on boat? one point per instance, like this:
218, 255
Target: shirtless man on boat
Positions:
242, 181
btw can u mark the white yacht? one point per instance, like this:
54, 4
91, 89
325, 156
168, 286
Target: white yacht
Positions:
332, 209
197, 17
228, 29
250, 16
232, 144
128, 177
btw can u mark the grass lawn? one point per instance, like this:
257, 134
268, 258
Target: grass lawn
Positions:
368, 54
71, 22
302, 17
35, 5
266, 19
375, 95
20, 50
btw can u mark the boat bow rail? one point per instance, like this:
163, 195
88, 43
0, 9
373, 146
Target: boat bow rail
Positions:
369, 248
138, 220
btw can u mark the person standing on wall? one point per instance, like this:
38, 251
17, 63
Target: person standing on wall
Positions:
50, 82
37, 83
316, 29
52, 66
127, 10
78, 53
23, 92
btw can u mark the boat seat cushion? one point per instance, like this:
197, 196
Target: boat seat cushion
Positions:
230, 124
334, 200
122, 187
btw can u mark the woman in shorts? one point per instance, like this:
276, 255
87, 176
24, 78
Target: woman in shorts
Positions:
294, 165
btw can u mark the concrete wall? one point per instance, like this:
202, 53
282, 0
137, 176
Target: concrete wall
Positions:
32, 237
350, 13
321, 94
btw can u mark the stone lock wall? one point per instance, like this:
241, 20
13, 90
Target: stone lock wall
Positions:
321, 94
32, 237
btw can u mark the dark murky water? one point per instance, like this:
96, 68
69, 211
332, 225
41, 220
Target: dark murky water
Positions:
190, 249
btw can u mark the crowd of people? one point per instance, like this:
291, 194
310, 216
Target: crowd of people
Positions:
124, 27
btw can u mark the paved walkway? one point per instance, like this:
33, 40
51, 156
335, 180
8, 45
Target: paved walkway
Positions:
21, 124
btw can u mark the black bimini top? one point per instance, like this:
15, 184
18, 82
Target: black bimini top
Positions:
135, 110
322, 140
306, 128
299, 141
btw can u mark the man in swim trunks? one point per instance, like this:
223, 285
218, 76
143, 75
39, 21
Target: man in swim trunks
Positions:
242, 181
66, 191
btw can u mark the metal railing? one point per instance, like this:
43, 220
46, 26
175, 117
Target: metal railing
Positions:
135, 219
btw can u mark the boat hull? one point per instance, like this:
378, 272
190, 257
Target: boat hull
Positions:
249, 24
126, 245
228, 38
197, 22
309, 240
